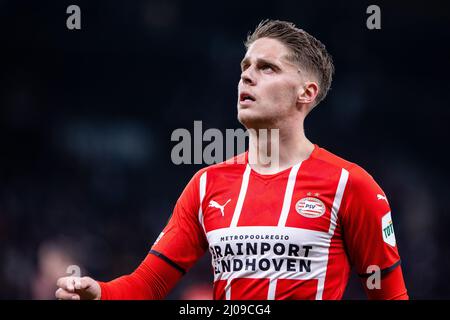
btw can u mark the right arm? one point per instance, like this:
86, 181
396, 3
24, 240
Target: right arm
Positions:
179, 246
152, 280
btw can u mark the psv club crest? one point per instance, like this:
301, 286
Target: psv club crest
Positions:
310, 207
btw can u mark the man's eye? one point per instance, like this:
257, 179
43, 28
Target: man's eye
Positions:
266, 67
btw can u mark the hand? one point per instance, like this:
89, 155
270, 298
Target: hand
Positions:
76, 288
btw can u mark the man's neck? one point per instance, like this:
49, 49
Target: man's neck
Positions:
271, 153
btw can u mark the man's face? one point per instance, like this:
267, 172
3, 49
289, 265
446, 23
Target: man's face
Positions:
269, 85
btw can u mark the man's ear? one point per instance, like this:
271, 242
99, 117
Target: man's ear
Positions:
308, 93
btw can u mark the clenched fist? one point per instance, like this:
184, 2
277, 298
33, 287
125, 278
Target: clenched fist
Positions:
76, 288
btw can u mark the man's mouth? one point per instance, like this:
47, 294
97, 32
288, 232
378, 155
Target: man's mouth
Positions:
246, 97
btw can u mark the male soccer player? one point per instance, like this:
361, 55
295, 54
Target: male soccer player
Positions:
290, 231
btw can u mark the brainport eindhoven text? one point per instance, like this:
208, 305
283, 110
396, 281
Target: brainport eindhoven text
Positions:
260, 256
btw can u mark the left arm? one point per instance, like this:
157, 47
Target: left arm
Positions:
369, 237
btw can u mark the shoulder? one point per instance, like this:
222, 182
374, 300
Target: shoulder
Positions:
362, 195
357, 176
331, 159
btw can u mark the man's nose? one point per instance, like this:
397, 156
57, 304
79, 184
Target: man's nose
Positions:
248, 77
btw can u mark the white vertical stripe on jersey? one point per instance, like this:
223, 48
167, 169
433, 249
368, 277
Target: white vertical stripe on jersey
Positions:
242, 193
320, 285
337, 200
334, 212
288, 195
228, 290
272, 289
202, 196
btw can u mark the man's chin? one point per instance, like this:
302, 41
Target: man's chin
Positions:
251, 121
245, 118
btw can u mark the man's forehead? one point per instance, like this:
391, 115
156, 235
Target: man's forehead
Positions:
270, 50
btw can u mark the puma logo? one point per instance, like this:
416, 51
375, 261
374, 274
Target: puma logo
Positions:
381, 197
214, 204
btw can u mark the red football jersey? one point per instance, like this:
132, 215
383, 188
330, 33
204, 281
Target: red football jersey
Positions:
290, 235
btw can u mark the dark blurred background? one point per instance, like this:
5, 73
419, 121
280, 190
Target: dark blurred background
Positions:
87, 116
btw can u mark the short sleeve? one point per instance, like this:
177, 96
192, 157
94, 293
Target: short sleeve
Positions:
367, 225
182, 242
